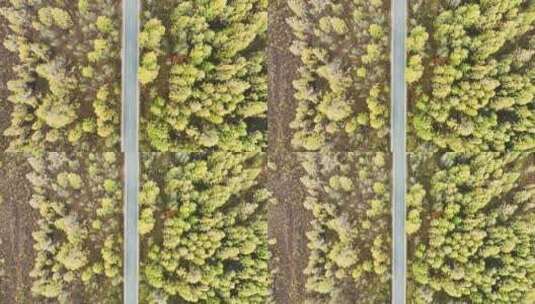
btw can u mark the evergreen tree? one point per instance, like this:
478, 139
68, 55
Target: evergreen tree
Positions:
66, 73
79, 233
203, 75
204, 229
349, 242
475, 216
342, 84
478, 90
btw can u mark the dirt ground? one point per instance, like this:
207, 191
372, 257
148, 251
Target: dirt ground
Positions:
288, 220
5, 76
282, 69
17, 221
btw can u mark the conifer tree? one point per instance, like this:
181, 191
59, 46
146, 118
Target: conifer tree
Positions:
472, 75
474, 218
342, 89
349, 242
66, 74
79, 237
203, 75
204, 228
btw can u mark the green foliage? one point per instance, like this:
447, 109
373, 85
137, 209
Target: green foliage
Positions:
53, 16
203, 75
204, 228
79, 230
416, 43
67, 71
148, 204
475, 216
342, 87
415, 200
348, 197
479, 85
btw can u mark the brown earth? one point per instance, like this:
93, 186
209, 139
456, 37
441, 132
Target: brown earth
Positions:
288, 222
6, 60
17, 221
282, 70
288, 219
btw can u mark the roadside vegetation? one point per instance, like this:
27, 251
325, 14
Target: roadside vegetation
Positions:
471, 228
203, 75
203, 228
65, 84
472, 75
78, 240
348, 195
342, 88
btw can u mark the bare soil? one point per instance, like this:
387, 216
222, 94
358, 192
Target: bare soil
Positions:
7, 59
282, 70
288, 220
17, 221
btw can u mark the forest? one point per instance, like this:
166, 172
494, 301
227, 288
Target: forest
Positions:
341, 89
73, 207
470, 228
63, 84
203, 75
203, 228
349, 241
471, 75
266, 171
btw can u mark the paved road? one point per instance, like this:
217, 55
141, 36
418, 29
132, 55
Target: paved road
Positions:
398, 141
130, 147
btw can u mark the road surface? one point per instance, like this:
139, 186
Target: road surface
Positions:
399, 142
130, 147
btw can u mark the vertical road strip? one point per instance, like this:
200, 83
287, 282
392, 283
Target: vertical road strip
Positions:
399, 146
130, 148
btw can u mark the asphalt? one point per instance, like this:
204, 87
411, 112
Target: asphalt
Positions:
130, 148
399, 150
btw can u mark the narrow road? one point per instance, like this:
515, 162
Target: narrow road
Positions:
130, 148
399, 147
